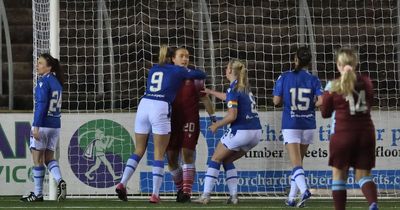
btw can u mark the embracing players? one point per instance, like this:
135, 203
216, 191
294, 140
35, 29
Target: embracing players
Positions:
154, 114
353, 142
185, 129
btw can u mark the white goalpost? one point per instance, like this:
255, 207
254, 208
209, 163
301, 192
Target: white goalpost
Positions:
107, 46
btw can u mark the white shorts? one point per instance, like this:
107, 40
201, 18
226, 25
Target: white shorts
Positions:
153, 115
298, 136
243, 140
48, 139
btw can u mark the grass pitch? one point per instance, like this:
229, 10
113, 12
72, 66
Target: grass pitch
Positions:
318, 204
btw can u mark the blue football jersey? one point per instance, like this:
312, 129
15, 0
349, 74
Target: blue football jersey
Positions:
247, 116
48, 92
165, 80
298, 91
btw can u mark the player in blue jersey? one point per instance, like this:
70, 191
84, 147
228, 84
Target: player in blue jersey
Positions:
244, 132
300, 93
46, 127
154, 115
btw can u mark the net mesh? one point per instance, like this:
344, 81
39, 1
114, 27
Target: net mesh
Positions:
106, 48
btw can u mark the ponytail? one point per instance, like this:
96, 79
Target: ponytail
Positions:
55, 67
347, 59
163, 55
240, 71
345, 84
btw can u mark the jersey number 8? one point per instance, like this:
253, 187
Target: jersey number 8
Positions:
156, 81
297, 96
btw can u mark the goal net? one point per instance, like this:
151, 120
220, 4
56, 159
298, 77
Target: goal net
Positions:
107, 46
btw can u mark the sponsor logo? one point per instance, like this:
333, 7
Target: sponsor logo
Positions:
98, 152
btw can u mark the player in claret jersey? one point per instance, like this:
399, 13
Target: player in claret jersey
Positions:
154, 114
353, 141
298, 89
185, 128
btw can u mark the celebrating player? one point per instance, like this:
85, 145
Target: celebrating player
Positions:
46, 127
298, 89
353, 141
163, 82
185, 129
244, 132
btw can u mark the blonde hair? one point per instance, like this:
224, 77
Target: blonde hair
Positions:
345, 84
240, 71
163, 57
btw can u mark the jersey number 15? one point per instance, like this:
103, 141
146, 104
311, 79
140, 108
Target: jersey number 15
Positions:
296, 95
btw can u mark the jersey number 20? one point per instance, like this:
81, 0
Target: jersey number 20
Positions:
360, 106
156, 81
296, 95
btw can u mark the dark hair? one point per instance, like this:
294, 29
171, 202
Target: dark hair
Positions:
55, 67
303, 55
167, 53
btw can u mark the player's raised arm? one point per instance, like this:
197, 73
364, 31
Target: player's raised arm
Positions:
209, 107
220, 95
194, 74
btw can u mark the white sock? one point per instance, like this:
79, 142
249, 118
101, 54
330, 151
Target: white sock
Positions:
38, 177
189, 172
130, 168
177, 176
211, 177
231, 178
54, 169
158, 175
298, 176
293, 189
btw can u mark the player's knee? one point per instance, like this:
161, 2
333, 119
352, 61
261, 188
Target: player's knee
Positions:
172, 163
188, 156
38, 161
360, 174
140, 151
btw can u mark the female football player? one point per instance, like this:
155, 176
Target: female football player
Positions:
353, 142
154, 114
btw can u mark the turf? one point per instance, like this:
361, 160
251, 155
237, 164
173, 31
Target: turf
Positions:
318, 204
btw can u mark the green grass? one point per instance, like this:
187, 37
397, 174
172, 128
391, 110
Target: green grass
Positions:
318, 204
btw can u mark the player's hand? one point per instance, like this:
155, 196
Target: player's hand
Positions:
213, 127
213, 118
35, 133
206, 91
